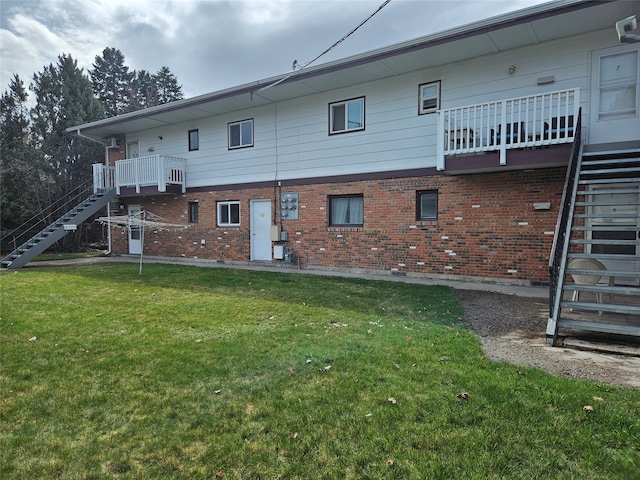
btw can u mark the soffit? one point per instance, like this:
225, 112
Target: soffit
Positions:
512, 31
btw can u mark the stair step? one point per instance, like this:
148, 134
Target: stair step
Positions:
599, 181
607, 215
603, 256
602, 307
616, 191
596, 241
596, 203
601, 327
604, 273
606, 289
609, 162
606, 228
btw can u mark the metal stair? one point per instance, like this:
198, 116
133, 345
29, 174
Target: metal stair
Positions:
46, 237
604, 226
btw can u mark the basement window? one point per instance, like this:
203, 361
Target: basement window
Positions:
427, 205
228, 214
346, 211
193, 212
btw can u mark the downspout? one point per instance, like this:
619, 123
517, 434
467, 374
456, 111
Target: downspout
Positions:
106, 163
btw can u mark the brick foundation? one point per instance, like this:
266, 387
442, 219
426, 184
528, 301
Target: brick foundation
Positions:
486, 227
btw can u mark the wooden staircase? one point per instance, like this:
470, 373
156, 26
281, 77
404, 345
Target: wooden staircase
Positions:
46, 237
598, 284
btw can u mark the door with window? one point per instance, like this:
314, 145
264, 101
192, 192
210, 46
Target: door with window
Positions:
261, 230
615, 95
616, 221
135, 234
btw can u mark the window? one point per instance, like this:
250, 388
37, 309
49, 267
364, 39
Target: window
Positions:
346, 210
193, 212
194, 140
618, 84
346, 116
429, 97
228, 214
241, 134
427, 205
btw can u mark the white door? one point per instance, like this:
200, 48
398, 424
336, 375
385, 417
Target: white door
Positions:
135, 237
624, 203
261, 230
133, 149
615, 95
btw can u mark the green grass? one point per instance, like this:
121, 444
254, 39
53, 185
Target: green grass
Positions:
189, 372
67, 256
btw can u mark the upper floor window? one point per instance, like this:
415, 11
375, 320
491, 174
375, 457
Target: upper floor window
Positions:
427, 205
618, 84
241, 134
346, 116
194, 140
429, 97
346, 210
228, 214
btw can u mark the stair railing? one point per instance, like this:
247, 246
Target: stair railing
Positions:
19, 235
560, 248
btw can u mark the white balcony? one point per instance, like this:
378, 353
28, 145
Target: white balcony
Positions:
517, 123
156, 171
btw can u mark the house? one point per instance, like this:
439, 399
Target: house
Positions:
454, 155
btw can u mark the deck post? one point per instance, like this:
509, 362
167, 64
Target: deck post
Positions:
440, 143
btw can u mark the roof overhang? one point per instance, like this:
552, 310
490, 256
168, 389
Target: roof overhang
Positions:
529, 26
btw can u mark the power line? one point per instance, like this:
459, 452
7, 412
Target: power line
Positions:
302, 67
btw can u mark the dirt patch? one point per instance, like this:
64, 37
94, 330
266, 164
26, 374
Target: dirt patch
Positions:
512, 329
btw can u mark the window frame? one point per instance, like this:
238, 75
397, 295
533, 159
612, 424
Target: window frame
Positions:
330, 219
239, 123
193, 209
419, 212
345, 103
228, 204
422, 98
193, 145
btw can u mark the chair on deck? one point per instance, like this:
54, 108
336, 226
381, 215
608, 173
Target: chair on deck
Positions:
566, 128
588, 279
515, 134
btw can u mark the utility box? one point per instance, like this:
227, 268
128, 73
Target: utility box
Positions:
289, 206
275, 233
278, 252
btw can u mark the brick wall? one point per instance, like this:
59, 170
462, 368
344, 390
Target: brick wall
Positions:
486, 227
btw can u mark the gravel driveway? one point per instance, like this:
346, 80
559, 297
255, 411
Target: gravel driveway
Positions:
512, 329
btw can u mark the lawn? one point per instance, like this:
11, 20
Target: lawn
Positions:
200, 373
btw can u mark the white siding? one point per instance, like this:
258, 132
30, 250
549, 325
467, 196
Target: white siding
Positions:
291, 138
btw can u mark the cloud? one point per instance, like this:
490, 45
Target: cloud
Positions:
215, 44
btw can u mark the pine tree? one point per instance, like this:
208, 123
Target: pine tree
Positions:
144, 91
112, 82
17, 172
167, 85
63, 99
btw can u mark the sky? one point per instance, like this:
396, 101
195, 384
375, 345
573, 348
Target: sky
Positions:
211, 45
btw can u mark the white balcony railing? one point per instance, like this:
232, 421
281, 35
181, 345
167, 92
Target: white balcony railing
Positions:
525, 122
103, 177
156, 170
